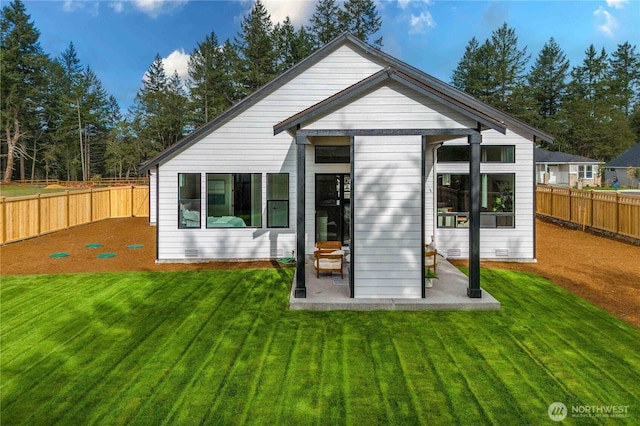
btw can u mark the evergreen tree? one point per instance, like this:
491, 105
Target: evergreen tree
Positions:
22, 72
509, 67
625, 72
475, 73
211, 73
291, 46
361, 18
593, 125
547, 85
325, 22
257, 56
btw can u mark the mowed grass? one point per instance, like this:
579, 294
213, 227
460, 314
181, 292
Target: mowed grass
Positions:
221, 347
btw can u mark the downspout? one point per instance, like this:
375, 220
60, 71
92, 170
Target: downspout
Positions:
434, 156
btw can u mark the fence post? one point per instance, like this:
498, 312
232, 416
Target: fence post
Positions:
3, 218
67, 208
590, 208
617, 212
39, 214
132, 189
91, 205
570, 209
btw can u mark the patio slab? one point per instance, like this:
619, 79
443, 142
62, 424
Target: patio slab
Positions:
449, 292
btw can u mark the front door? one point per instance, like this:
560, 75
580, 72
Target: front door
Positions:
333, 207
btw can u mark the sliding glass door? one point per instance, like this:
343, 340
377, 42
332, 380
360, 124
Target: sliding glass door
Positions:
333, 207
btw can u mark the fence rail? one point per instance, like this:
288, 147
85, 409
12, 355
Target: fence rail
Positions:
604, 210
31, 216
87, 183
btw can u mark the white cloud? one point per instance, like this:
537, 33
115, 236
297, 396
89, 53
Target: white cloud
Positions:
117, 6
421, 22
402, 4
155, 8
610, 23
178, 61
72, 5
299, 11
616, 4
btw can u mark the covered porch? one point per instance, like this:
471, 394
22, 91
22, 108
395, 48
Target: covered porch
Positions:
330, 292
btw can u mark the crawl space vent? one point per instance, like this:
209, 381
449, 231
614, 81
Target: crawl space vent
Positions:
454, 252
191, 253
502, 252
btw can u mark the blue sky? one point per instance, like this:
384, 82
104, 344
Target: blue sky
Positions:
119, 39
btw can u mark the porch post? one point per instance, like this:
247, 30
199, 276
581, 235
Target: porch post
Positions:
301, 289
474, 290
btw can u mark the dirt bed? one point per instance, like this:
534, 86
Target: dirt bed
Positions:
603, 271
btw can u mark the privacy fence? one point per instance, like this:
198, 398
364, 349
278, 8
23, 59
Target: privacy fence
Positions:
25, 217
603, 210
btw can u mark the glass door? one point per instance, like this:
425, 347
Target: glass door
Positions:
333, 204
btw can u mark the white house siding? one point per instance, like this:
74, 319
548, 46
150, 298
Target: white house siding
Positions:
387, 245
152, 197
392, 106
505, 243
246, 144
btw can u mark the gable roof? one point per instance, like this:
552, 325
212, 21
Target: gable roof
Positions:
392, 74
629, 158
424, 79
545, 156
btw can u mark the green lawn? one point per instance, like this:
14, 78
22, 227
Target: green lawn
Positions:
24, 190
221, 347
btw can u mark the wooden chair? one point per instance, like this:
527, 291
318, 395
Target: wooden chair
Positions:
430, 260
328, 257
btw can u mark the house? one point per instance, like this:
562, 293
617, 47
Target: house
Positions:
351, 145
560, 168
620, 165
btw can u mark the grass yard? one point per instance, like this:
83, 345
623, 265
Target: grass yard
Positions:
221, 347
25, 190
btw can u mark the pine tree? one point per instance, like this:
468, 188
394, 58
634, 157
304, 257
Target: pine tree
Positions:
291, 46
211, 73
625, 71
547, 85
474, 73
361, 18
22, 75
257, 56
509, 67
324, 23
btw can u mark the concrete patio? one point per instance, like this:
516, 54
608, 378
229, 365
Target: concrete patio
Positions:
330, 292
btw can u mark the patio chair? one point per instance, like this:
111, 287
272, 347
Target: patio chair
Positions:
328, 257
430, 260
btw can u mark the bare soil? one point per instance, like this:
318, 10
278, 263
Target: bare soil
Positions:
602, 271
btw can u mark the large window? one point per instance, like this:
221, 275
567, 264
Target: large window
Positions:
333, 154
497, 200
189, 200
277, 200
234, 200
488, 154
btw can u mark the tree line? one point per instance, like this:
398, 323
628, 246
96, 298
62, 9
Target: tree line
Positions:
58, 122
592, 109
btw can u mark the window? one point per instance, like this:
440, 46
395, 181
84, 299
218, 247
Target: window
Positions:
189, 200
497, 199
585, 172
234, 200
333, 154
277, 200
498, 154
488, 154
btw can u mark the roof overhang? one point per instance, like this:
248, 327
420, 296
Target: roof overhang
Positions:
388, 74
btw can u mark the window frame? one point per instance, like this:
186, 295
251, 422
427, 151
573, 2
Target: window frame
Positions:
278, 200
321, 147
189, 200
229, 194
488, 219
465, 157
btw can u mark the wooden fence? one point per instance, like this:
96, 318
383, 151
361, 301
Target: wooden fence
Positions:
604, 210
85, 183
31, 216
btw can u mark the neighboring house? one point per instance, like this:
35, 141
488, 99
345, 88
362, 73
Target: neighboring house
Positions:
355, 146
560, 168
619, 167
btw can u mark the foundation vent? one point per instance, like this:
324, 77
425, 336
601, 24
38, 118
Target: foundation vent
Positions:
456, 252
502, 252
191, 253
